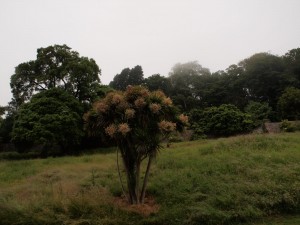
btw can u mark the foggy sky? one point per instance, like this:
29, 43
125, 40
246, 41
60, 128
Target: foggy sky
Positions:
155, 34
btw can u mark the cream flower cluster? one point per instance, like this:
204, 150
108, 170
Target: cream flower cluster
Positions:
122, 128
166, 126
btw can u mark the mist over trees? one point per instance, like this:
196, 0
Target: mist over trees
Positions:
261, 78
261, 87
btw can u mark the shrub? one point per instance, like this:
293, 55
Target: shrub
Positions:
289, 126
224, 120
258, 111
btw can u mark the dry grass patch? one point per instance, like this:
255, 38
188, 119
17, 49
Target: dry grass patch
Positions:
150, 207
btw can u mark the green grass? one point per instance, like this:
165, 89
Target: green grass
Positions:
253, 179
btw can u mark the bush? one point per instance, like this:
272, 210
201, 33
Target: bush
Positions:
258, 111
289, 126
224, 120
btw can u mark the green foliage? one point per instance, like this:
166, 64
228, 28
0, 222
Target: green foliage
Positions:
51, 118
292, 62
158, 82
289, 104
6, 126
289, 126
56, 66
134, 76
184, 80
224, 120
258, 111
264, 77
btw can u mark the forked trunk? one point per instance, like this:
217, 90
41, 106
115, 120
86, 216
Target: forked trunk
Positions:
143, 193
133, 174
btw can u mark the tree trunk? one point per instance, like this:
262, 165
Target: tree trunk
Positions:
137, 177
132, 181
142, 197
120, 178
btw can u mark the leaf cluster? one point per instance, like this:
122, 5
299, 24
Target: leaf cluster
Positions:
51, 118
224, 120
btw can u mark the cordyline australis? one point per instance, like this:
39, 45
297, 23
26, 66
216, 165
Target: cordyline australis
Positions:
138, 121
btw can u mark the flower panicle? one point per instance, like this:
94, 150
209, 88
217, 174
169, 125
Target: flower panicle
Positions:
129, 113
167, 101
111, 130
167, 126
155, 108
183, 119
101, 107
140, 102
124, 128
117, 99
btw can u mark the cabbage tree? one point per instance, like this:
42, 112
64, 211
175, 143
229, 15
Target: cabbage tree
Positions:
137, 120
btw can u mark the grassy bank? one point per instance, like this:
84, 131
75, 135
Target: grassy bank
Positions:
251, 179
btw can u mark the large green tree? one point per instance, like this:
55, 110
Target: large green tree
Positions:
56, 66
134, 76
136, 120
50, 118
185, 83
264, 78
158, 82
292, 62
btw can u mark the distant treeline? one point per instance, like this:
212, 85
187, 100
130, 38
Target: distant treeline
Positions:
52, 93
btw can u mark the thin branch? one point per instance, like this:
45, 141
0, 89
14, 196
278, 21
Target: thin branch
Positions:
143, 193
123, 190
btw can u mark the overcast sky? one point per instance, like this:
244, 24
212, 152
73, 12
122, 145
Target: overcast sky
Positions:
155, 34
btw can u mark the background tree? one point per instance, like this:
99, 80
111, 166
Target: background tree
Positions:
6, 123
134, 76
56, 66
264, 78
184, 78
232, 82
52, 117
292, 62
158, 82
2, 112
136, 120
289, 104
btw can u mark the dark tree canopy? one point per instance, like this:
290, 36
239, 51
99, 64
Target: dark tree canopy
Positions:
56, 66
264, 78
134, 76
289, 104
185, 81
2, 110
292, 61
258, 111
52, 117
158, 82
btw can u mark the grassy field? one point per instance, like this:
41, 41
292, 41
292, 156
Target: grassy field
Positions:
252, 179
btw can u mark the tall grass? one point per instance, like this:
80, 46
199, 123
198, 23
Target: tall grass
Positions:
252, 179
